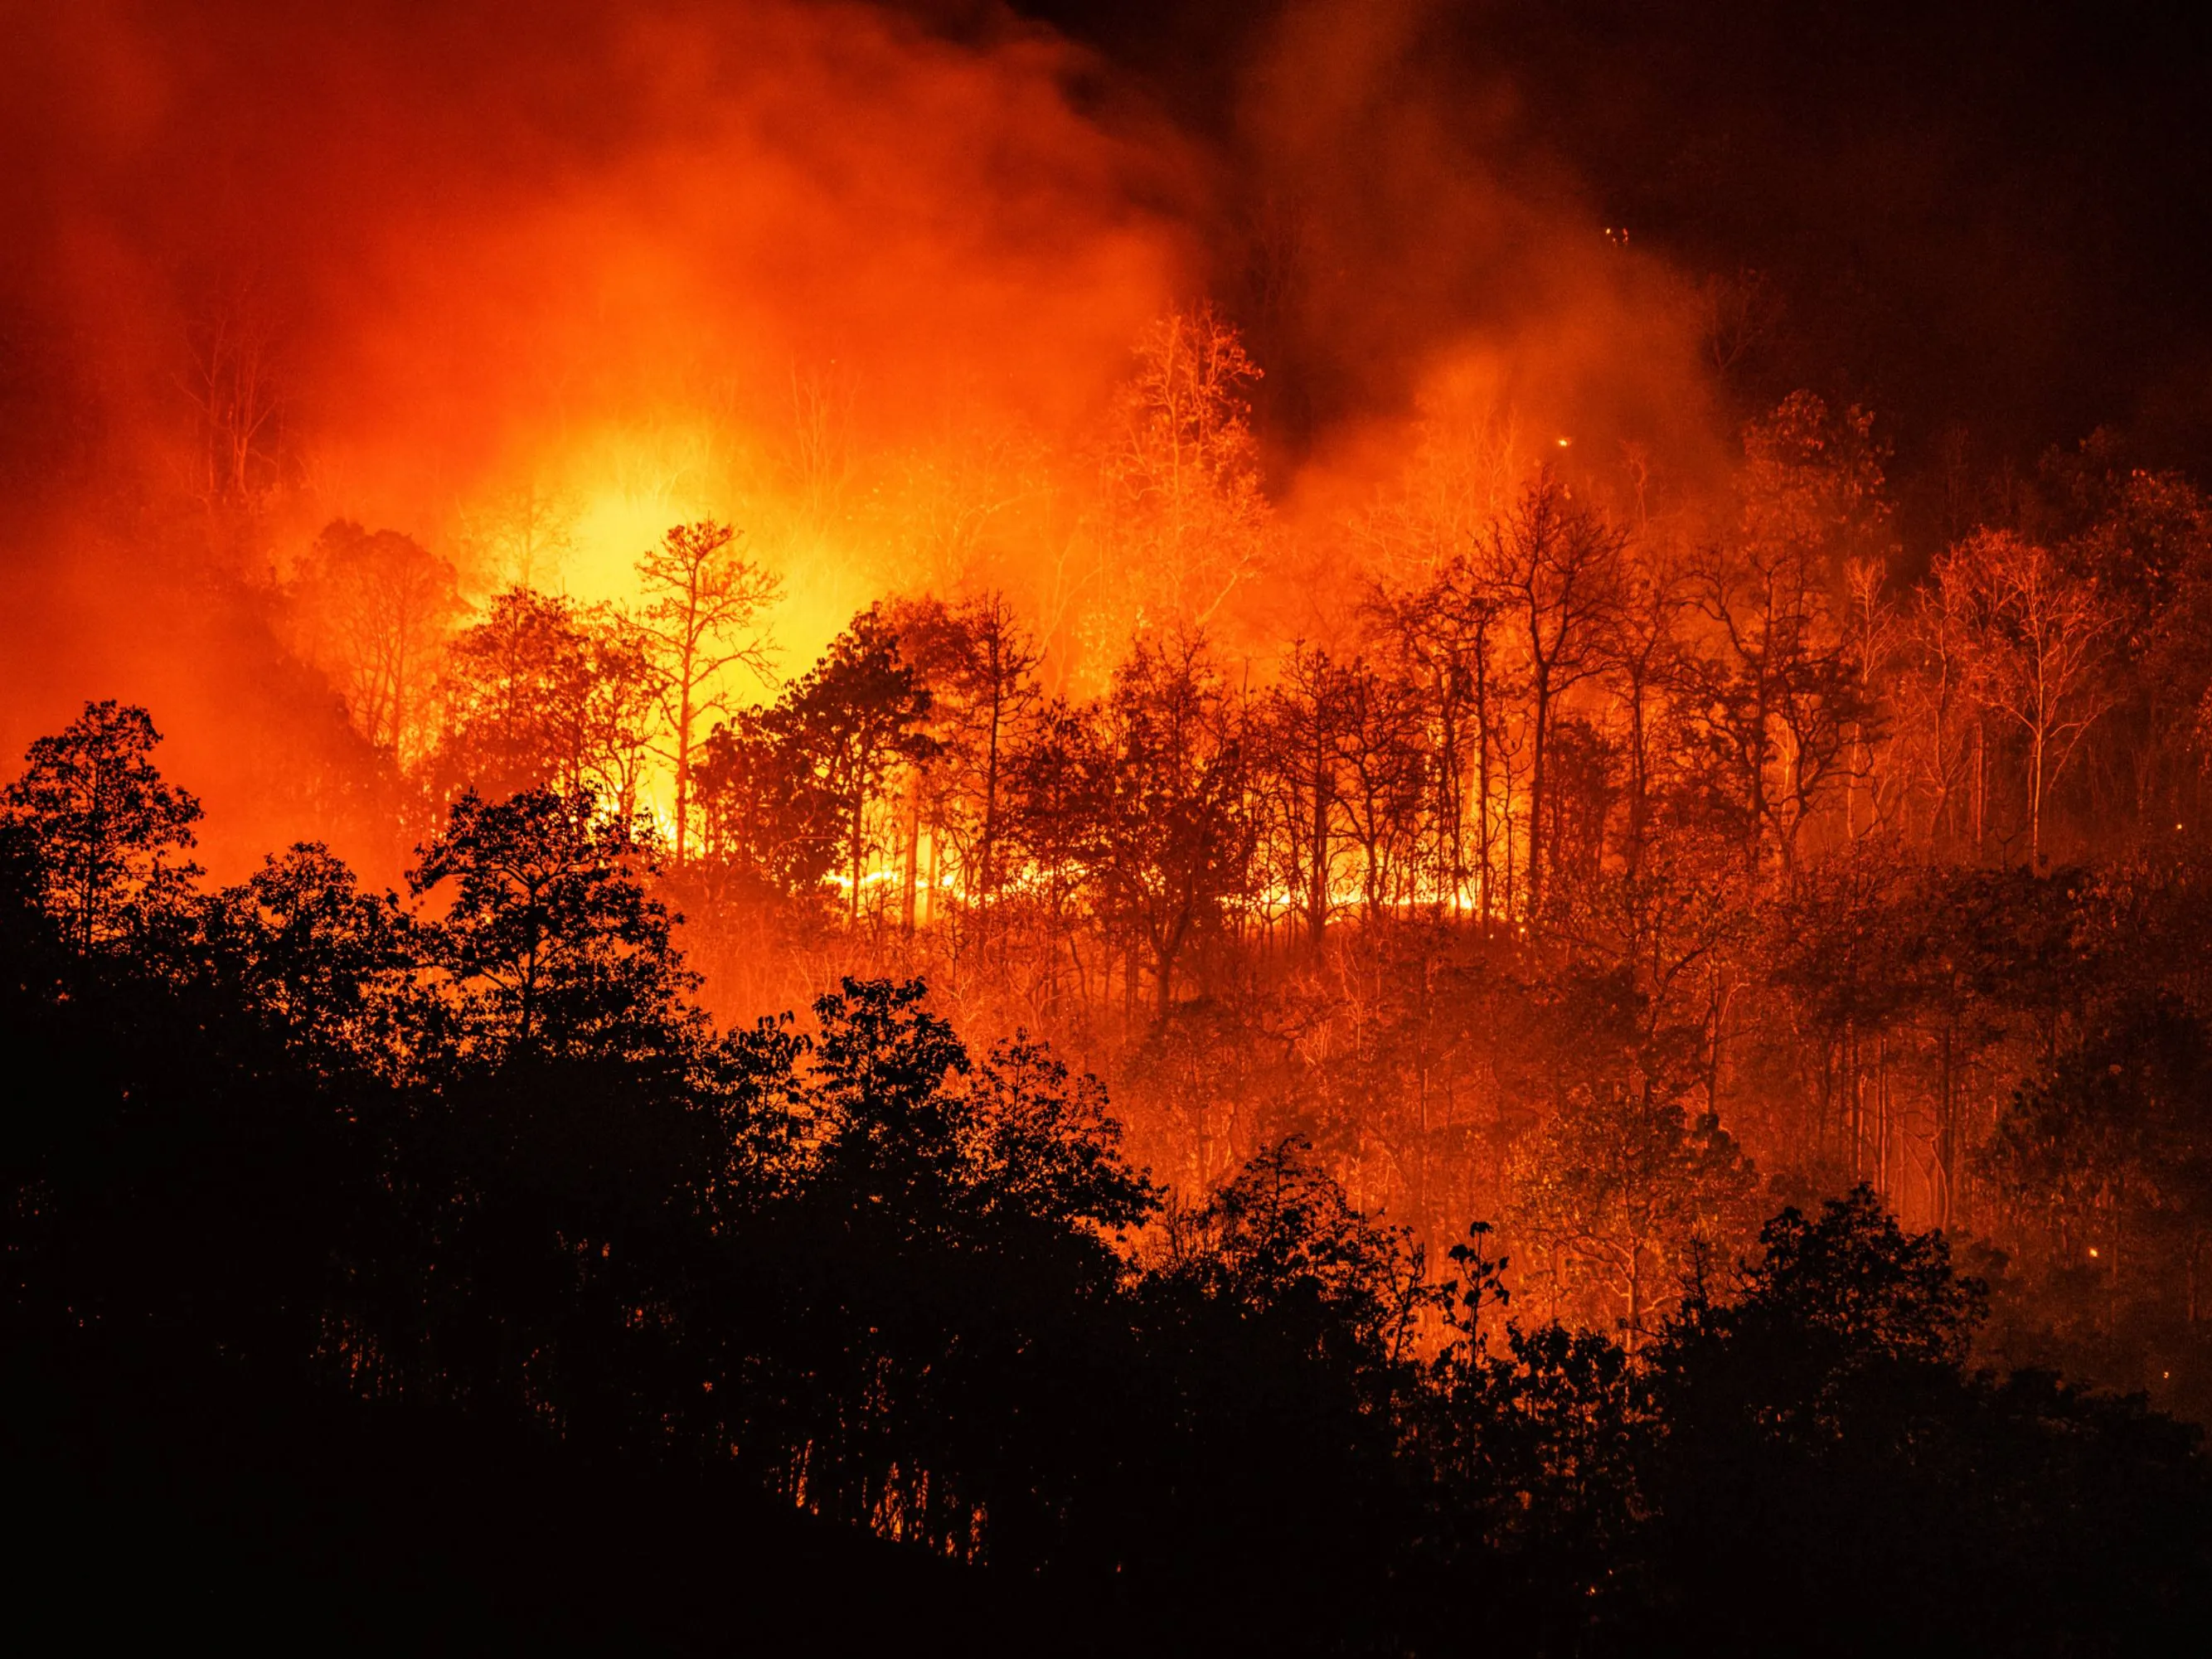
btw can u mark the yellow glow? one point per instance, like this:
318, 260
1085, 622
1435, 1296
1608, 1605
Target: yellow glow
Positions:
605, 496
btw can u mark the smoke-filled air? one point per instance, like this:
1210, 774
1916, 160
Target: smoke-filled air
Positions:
1046, 829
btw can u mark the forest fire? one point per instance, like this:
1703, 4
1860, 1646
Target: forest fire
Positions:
1001, 815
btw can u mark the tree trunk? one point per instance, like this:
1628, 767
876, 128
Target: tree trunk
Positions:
1317, 851
855, 856
1539, 735
912, 850
987, 854
1482, 827
683, 762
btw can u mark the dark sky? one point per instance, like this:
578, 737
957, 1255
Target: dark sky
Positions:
1996, 216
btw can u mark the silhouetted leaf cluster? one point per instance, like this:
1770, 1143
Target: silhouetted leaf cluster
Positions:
479, 1159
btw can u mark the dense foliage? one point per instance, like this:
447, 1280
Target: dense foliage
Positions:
476, 1160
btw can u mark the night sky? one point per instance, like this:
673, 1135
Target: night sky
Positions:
1988, 215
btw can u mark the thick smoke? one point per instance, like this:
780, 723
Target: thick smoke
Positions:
643, 263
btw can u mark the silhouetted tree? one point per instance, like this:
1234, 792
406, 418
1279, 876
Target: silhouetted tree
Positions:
103, 830
858, 714
1177, 837
697, 625
978, 665
769, 819
551, 941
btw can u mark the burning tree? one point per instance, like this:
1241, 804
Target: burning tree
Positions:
1177, 839
1187, 516
1557, 564
374, 609
2040, 638
697, 625
544, 693
978, 663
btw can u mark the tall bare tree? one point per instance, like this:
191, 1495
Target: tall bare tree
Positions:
1939, 711
1188, 517
519, 532
235, 383
698, 623
2042, 640
1295, 743
979, 664
1785, 701
1558, 564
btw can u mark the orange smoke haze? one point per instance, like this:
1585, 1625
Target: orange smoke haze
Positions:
852, 284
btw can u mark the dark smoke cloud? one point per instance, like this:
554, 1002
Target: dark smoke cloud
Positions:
1975, 212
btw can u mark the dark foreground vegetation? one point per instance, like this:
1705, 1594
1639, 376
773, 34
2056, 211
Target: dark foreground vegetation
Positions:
436, 1274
